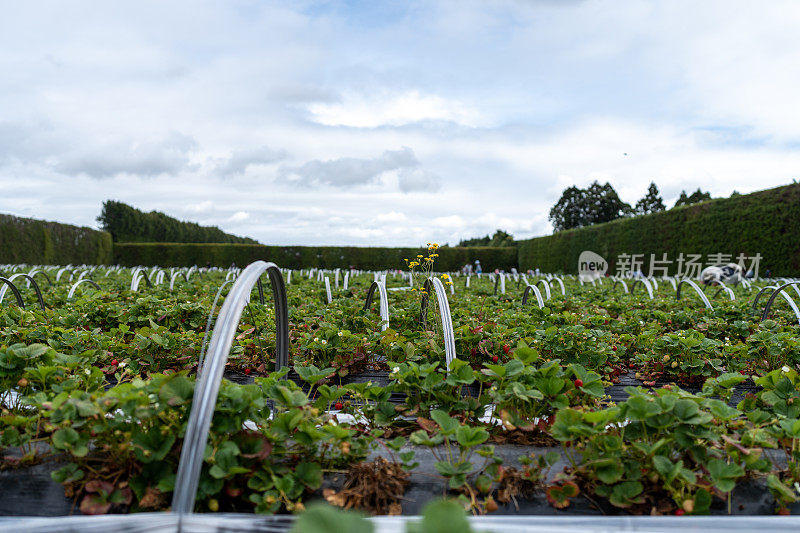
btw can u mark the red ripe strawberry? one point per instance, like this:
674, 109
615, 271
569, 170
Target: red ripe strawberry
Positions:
473, 352
114, 362
783, 511
506, 349
247, 371
338, 405
614, 348
494, 359
679, 512
578, 383
233, 492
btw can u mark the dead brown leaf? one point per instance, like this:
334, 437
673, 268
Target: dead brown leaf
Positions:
152, 499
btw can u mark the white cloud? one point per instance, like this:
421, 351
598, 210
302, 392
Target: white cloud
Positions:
349, 172
392, 216
239, 216
240, 160
167, 155
453, 221
374, 110
418, 180
201, 207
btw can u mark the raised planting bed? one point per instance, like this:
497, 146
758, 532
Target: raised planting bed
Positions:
621, 404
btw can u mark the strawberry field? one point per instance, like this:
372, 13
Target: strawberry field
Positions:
232, 391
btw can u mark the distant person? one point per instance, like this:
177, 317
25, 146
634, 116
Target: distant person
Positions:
478, 268
538, 273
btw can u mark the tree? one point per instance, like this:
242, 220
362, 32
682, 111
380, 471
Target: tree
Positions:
570, 210
477, 241
696, 197
583, 207
604, 204
128, 224
500, 239
651, 203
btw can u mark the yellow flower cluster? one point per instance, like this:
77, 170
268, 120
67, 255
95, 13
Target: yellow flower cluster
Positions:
446, 278
426, 263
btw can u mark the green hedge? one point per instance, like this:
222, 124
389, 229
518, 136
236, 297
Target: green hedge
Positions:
27, 240
222, 255
765, 222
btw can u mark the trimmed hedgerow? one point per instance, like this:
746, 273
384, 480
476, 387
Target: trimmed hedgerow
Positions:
27, 240
187, 254
765, 222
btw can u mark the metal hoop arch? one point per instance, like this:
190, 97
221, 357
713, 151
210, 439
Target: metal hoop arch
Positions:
30, 281
143, 272
33, 273
207, 386
560, 282
781, 290
328, 297
645, 283
444, 312
759, 293
727, 290
624, 285
14, 289
528, 289
72, 290
697, 289
546, 288
208, 326
384, 302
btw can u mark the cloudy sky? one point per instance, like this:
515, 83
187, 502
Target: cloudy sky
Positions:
388, 122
